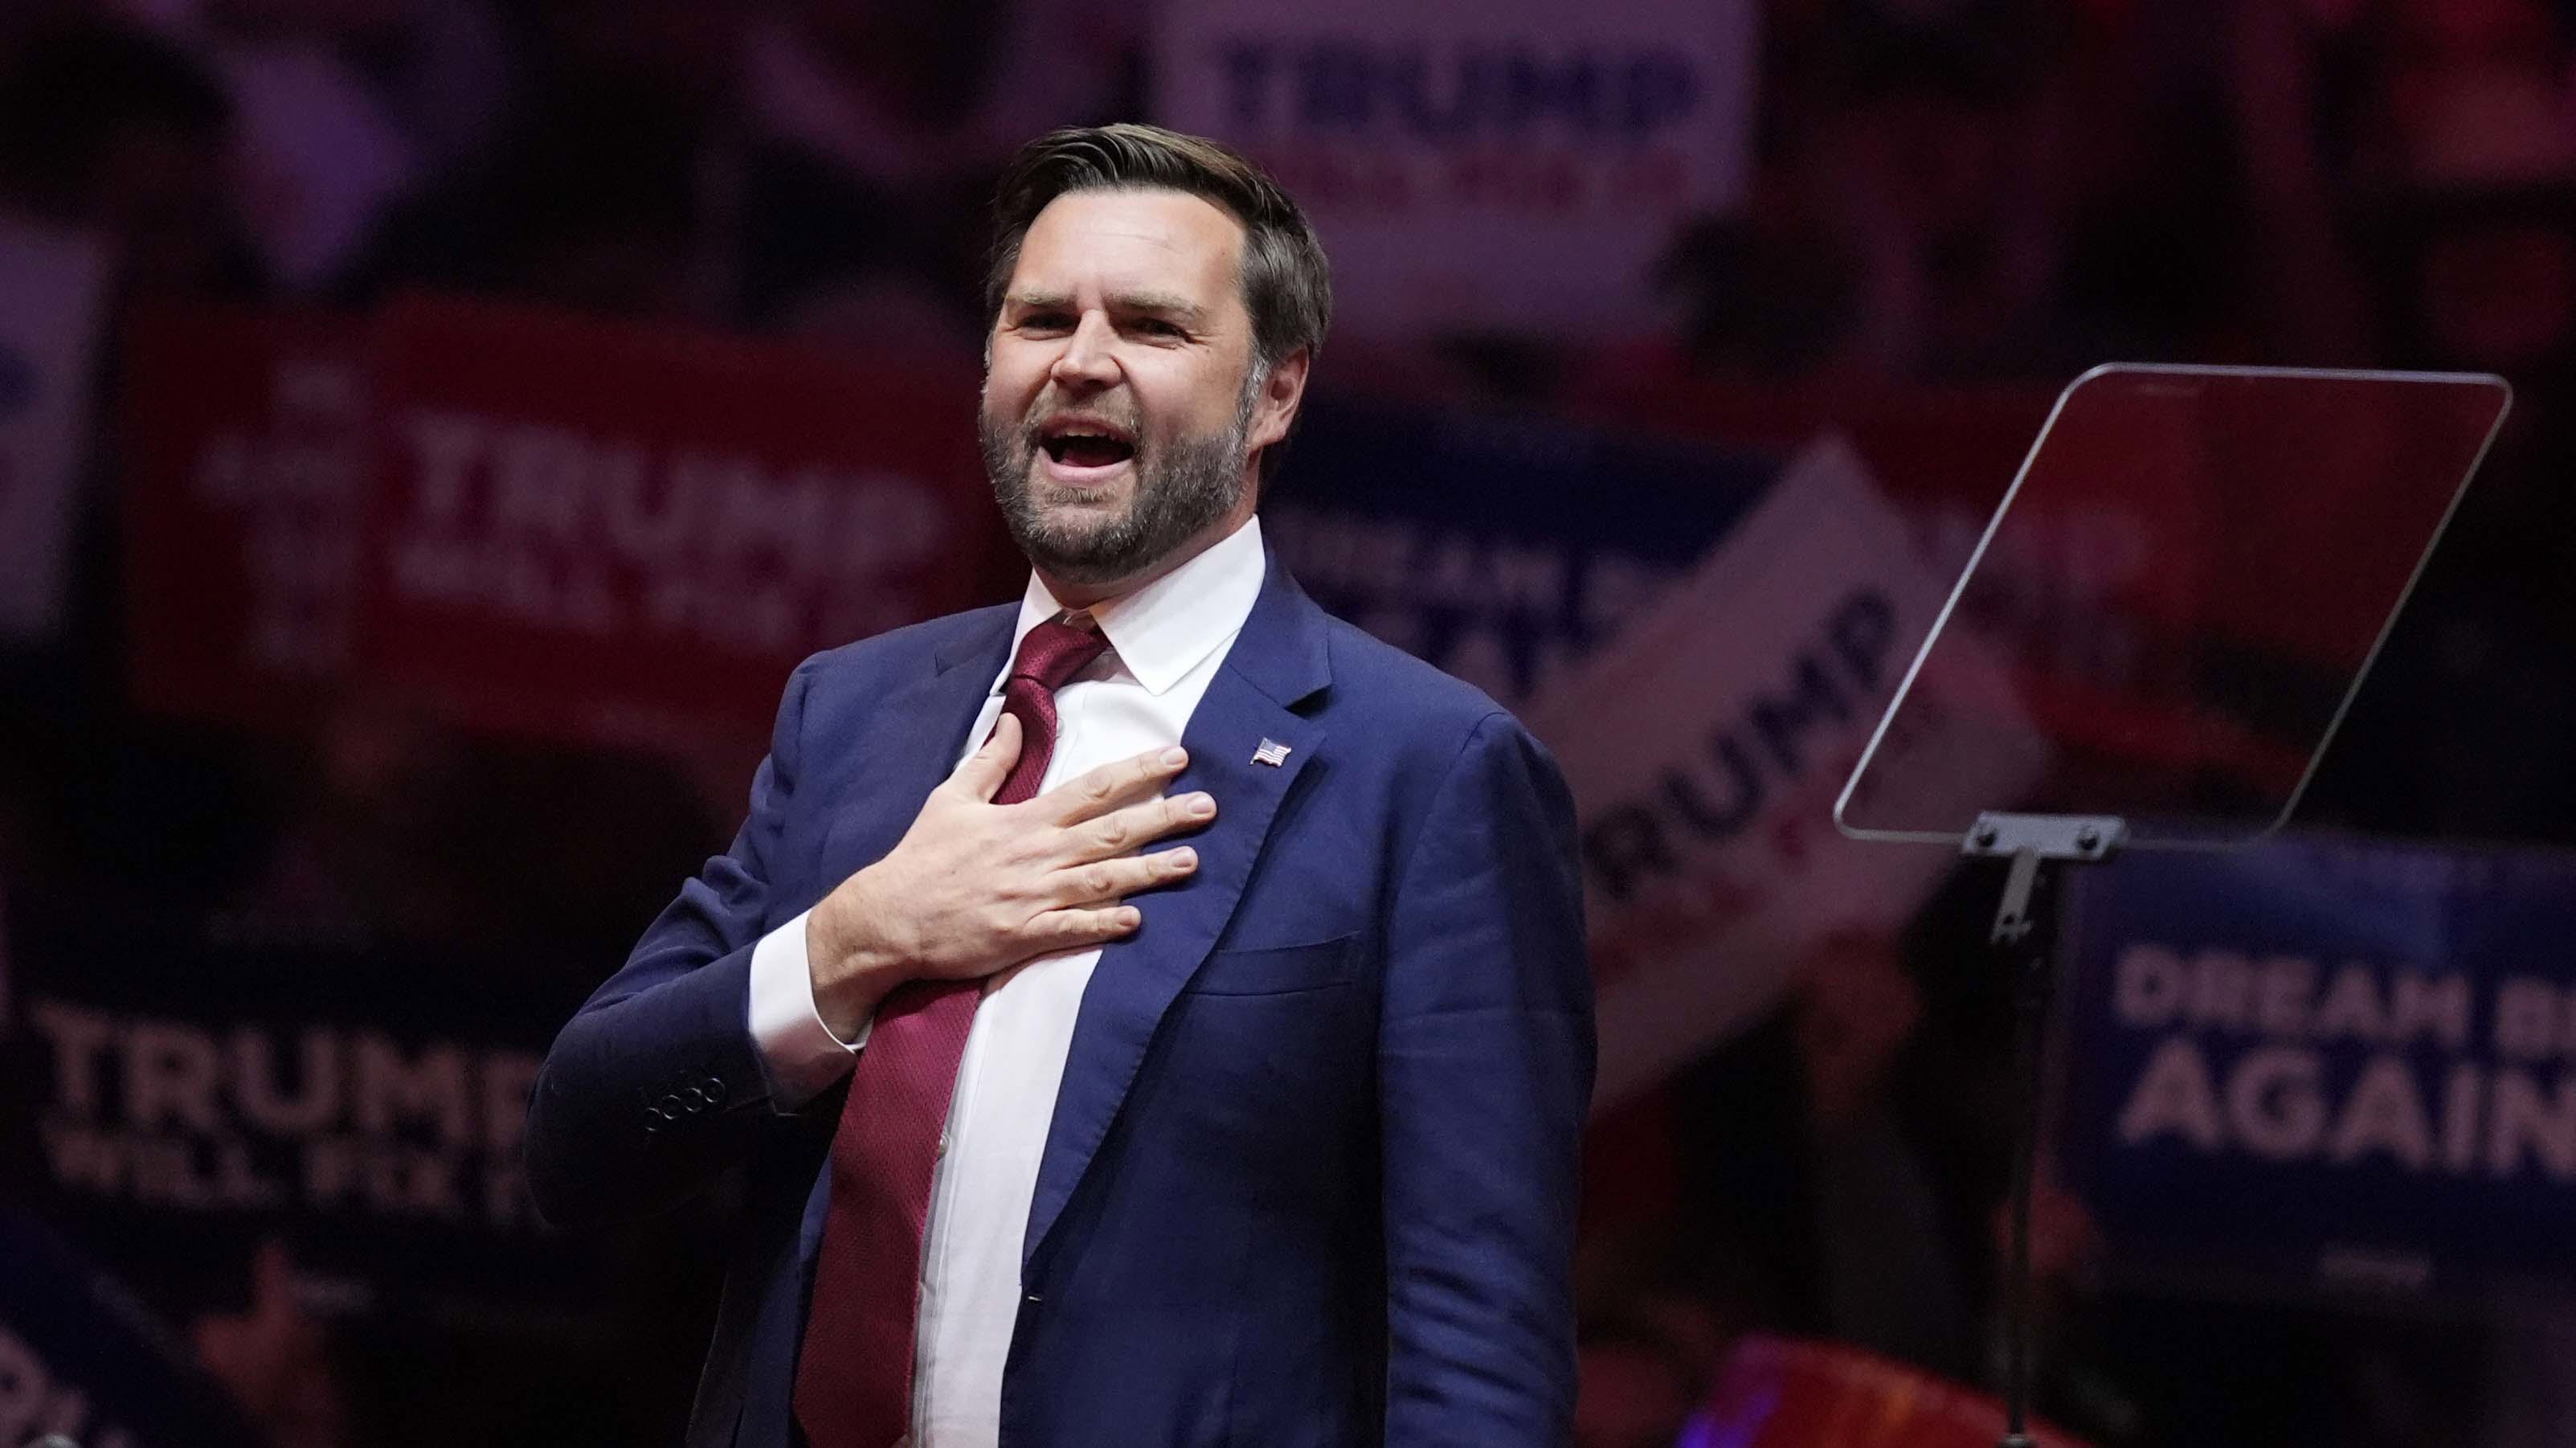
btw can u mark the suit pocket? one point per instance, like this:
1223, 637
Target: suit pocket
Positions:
1275, 969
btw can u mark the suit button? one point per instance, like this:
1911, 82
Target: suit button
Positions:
672, 1106
714, 1087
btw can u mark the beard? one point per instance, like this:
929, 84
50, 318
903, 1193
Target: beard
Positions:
1178, 489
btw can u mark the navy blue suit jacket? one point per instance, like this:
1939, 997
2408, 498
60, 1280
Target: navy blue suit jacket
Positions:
1311, 1174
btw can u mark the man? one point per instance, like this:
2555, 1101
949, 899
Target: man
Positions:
1202, 1060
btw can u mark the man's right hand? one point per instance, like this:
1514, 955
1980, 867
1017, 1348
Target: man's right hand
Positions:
975, 886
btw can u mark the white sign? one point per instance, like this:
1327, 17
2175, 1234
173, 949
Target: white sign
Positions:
1706, 748
1515, 167
53, 285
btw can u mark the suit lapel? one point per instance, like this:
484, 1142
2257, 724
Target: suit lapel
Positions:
923, 727
1277, 661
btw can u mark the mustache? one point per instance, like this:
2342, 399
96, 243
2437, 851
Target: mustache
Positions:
1044, 411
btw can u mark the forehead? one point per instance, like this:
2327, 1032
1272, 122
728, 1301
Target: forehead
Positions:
1131, 240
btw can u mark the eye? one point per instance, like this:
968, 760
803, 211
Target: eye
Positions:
1157, 327
1046, 322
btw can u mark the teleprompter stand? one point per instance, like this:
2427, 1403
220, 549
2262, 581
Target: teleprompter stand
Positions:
2024, 940
2198, 567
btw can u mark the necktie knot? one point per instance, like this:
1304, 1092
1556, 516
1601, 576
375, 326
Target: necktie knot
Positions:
1055, 651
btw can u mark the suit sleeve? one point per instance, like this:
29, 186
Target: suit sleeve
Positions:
655, 1087
1485, 1063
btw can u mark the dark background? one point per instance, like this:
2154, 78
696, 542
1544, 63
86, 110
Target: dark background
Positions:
1946, 195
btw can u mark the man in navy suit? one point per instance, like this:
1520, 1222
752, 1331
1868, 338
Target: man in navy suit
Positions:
1199, 1059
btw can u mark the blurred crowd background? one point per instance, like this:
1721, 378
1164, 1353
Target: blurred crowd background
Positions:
1932, 207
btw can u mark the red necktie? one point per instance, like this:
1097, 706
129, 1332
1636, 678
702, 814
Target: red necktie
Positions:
854, 1375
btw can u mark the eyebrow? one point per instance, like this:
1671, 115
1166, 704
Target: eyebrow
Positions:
1167, 304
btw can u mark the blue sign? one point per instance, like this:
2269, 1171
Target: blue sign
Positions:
180, 1094
2328, 1063
1503, 549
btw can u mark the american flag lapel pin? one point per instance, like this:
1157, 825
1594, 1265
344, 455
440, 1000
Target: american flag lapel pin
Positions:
1271, 752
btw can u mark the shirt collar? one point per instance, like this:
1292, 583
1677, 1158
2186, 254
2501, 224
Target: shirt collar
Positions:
1168, 627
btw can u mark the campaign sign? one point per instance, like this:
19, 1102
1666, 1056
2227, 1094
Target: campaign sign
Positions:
605, 533
1705, 749
1509, 167
2327, 1062
181, 1095
1503, 549
246, 436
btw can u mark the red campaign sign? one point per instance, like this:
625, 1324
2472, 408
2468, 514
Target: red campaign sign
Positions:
245, 446
600, 532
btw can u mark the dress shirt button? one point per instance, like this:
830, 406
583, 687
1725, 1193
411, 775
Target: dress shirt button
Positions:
942, 1148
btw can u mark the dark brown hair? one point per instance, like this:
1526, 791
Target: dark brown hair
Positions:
1287, 283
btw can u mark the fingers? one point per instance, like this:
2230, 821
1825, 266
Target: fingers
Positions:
1105, 881
983, 771
1073, 929
1100, 790
1137, 825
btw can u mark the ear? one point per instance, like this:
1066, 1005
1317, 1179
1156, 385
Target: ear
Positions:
1276, 408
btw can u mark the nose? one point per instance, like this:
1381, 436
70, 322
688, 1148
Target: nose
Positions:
1088, 361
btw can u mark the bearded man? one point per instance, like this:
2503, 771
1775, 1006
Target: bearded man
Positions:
1199, 1059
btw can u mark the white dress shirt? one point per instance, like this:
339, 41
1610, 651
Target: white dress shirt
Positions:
1166, 642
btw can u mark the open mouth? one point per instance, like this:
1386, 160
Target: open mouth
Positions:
1077, 444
